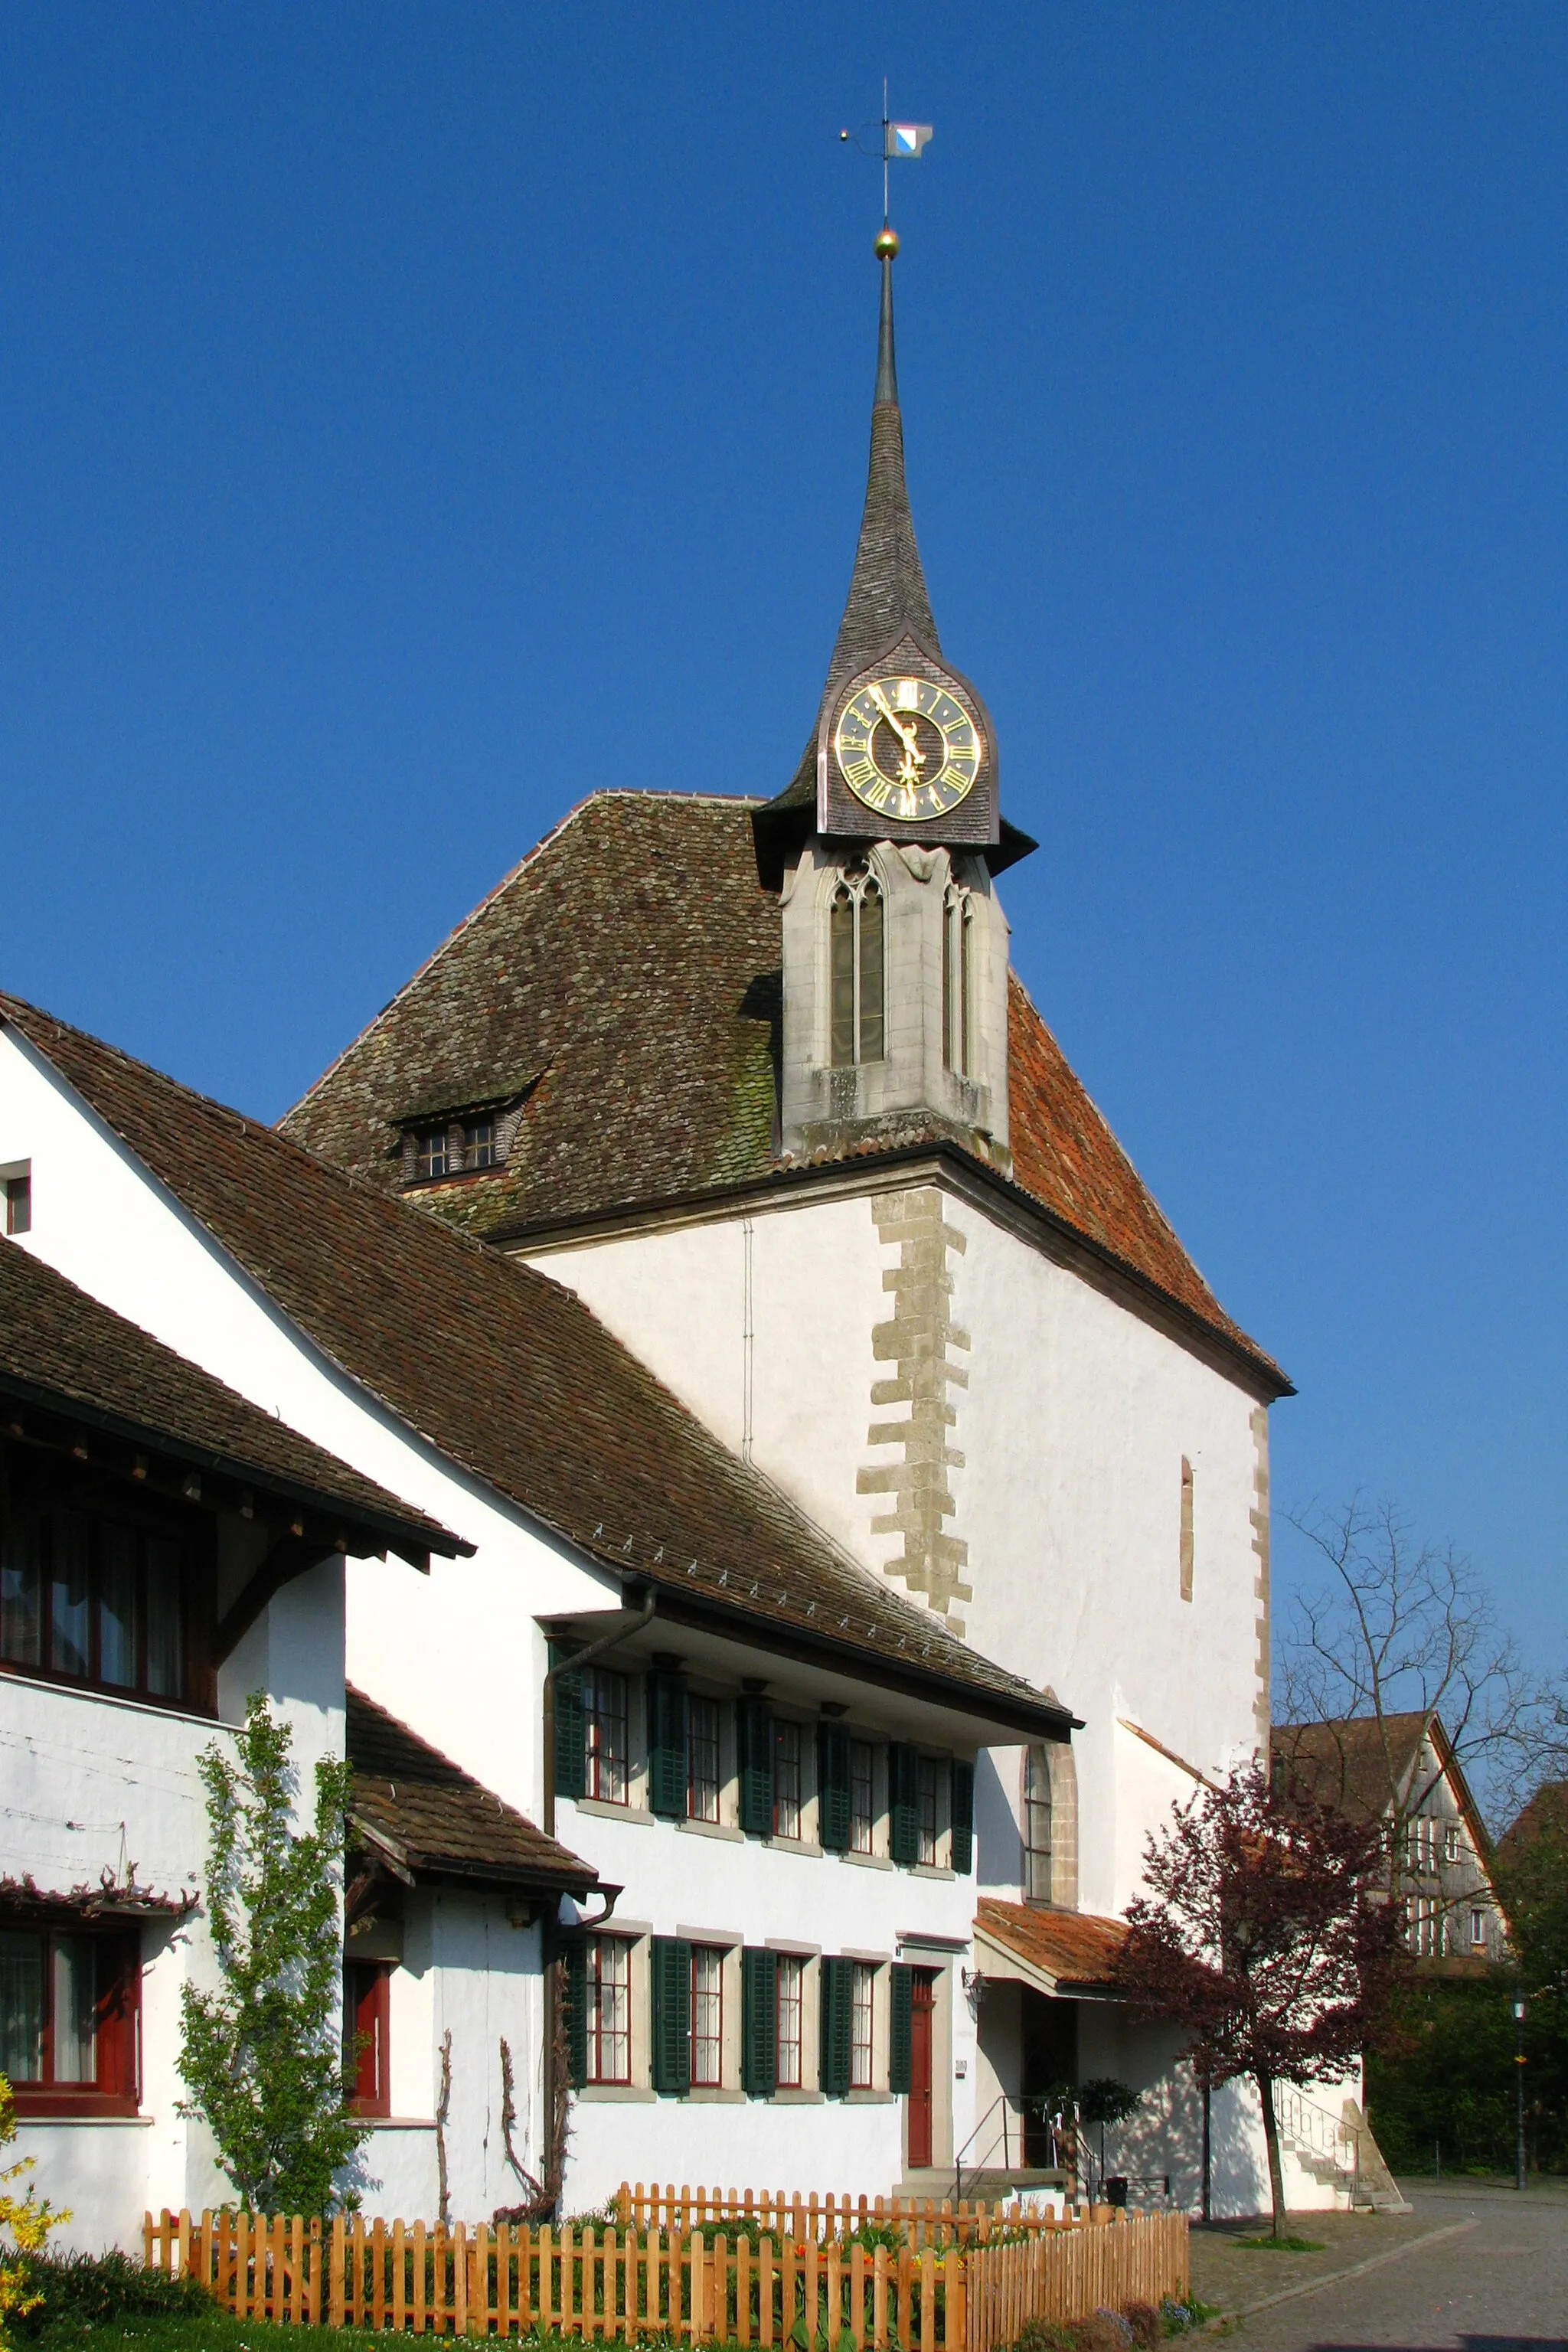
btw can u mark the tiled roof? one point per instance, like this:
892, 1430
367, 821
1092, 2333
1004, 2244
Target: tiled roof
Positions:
1076, 1948
58, 1344
1355, 1765
636, 959
435, 1819
510, 1376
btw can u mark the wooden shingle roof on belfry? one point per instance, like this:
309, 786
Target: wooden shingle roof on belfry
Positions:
433, 1820
511, 1377
634, 959
67, 1352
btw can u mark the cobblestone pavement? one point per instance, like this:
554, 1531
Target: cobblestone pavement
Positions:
1499, 2285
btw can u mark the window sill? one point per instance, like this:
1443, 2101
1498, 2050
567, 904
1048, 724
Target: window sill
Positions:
400, 2123
714, 2094
870, 2099
724, 1830
600, 1811
597, 2095
866, 1861
793, 2099
75, 2107
805, 1846
27, 2116
932, 1870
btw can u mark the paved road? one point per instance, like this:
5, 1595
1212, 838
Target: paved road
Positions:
1501, 2286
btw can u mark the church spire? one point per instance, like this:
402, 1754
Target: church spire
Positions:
887, 587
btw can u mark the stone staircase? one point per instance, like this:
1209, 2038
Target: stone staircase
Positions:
1337, 2152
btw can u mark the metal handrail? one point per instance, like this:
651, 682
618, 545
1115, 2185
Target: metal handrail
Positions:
1006, 2106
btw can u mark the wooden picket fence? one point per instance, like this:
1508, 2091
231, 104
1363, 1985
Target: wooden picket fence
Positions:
780, 2213
1070, 2273
810, 2292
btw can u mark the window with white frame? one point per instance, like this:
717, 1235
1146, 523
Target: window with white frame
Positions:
857, 970
1424, 1935
788, 1780
862, 1796
609, 1743
789, 1997
702, 1766
862, 2015
1037, 1825
609, 2009
1450, 1841
1478, 1929
707, 2017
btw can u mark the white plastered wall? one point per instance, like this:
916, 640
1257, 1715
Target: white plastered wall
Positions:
459, 1655
93, 1784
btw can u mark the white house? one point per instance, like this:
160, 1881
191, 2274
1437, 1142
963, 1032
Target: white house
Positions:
712, 1236
768, 1776
165, 1550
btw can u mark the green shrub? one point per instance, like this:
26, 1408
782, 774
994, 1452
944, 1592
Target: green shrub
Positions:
78, 2291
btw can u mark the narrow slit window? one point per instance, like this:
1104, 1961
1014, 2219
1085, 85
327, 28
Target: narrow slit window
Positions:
856, 971
609, 2009
19, 1203
1186, 1531
608, 1746
958, 982
707, 2017
862, 1796
788, 1792
789, 2014
862, 2004
702, 1759
1037, 1825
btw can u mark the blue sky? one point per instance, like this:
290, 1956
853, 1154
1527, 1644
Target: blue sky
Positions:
413, 418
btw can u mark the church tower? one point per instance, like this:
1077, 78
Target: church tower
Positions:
884, 851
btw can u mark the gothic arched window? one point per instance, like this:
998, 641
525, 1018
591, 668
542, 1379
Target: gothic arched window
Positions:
857, 960
958, 980
1038, 1826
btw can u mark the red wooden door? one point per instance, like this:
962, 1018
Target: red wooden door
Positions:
923, 2001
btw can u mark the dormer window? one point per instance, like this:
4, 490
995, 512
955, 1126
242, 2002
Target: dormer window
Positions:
466, 1140
433, 1151
857, 970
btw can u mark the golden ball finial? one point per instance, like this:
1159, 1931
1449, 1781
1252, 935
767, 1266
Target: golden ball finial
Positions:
887, 244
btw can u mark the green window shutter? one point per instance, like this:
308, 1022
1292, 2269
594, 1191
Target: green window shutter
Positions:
667, 1745
759, 2022
833, 1787
903, 1804
900, 2006
575, 1993
838, 1992
963, 1817
571, 1727
754, 1746
670, 1965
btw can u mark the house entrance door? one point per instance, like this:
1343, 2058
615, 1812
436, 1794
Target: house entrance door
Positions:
922, 2003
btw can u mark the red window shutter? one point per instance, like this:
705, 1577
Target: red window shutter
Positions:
365, 2006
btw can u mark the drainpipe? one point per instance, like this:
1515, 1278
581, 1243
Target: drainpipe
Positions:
549, 1934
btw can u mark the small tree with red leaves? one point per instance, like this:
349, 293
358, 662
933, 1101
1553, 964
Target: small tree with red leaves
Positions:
1265, 1937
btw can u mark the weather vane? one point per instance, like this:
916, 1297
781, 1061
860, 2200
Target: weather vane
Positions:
895, 140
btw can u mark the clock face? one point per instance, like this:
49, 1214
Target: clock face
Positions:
908, 749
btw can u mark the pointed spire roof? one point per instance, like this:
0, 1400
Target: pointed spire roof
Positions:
888, 599
887, 587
